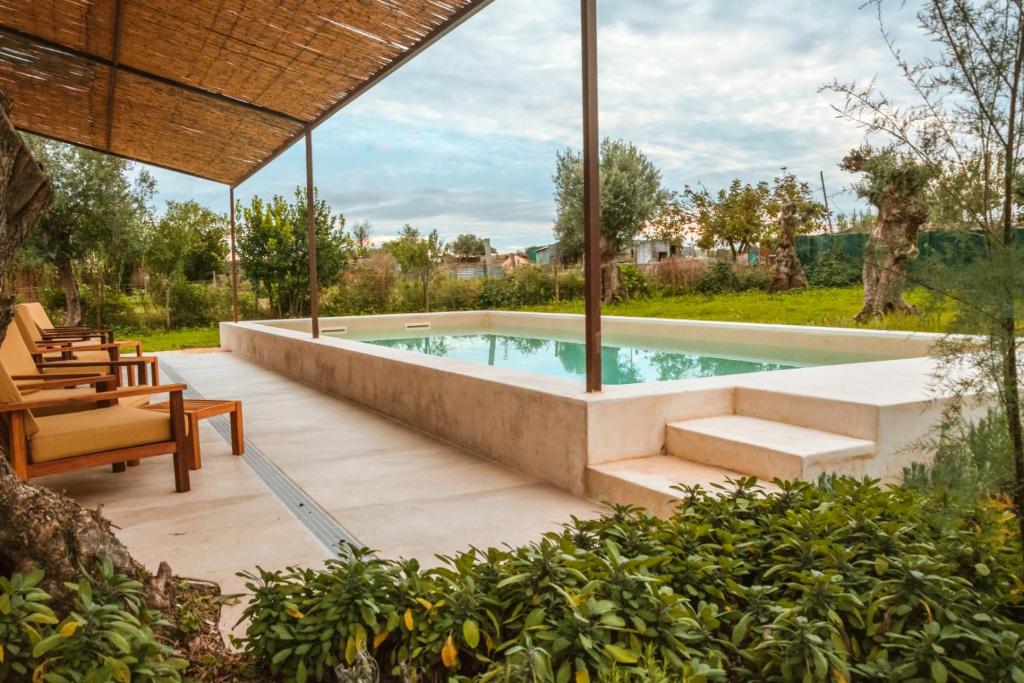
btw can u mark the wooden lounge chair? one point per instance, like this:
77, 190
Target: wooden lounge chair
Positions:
77, 377
16, 356
114, 434
48, 351
74, 332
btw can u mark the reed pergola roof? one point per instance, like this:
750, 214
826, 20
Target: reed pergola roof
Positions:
212, 88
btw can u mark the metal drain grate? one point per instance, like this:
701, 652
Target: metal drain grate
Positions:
326, 530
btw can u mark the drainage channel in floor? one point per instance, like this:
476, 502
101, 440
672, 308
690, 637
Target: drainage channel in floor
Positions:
326, 530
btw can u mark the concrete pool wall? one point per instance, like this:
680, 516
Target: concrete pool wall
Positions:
861, 417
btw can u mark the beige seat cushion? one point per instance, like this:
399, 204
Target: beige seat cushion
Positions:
9, 393
92, 431
14, 353
23, 319
38, 315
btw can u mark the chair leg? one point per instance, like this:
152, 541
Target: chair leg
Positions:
195, 459
181, 481
181, 463
237, 433
19, 454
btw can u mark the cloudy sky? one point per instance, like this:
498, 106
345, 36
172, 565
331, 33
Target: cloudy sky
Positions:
463, 138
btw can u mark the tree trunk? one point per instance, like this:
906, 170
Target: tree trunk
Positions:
426, 293
891, 248
97, 298
783, 263
73, 310
1011, 379
167, 305
40, 528
611, 283
45, 529
25, 194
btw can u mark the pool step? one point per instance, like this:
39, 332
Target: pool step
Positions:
648, 481
766, 448
819, 410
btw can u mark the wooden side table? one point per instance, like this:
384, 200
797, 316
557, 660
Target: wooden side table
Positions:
200, 409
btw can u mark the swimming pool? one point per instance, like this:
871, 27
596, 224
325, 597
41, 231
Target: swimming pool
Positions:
549, 426
621, 363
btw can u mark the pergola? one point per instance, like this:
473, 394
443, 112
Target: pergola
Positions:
218, 89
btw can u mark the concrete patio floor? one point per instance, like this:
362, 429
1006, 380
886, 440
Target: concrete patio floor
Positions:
395, 490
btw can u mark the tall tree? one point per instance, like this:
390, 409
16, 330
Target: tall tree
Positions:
794, 212
187, 243
97, 218
467, 246
896, 184
631, 197
966, 124
737, 216
25, 196
273, 249
361, 234
41, 527
418, 256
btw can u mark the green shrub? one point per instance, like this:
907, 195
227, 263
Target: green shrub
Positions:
719, 277
834, 269
973, 460
752, 278
842, 581
194, 305
635, 283
106, 636
678, 275
453, 294
526, 286
570, 284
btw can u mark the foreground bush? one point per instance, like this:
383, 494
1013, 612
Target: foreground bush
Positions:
106, 636
839, 582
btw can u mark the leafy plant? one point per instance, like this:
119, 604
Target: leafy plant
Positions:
23, 612
836, 582
107, 636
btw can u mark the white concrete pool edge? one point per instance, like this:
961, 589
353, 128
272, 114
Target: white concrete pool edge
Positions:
551, 428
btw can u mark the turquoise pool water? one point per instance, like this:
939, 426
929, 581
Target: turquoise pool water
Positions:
621, 364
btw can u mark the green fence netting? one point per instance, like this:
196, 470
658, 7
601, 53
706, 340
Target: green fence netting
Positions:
951, 248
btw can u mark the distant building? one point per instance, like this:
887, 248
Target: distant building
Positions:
513, 261
542, 256
645, 252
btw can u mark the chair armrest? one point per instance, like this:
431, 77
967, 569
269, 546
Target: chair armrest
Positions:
93, 398
57, 347
121, 362
54, 375
64, 383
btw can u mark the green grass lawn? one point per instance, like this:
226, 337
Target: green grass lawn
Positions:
172, 340
824, 307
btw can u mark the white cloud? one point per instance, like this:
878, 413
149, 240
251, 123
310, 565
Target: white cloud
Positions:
463, 138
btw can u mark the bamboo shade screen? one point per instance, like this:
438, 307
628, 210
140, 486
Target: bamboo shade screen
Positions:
213, 88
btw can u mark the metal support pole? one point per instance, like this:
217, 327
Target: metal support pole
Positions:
824, 194
591, 196
314, 290
234, 257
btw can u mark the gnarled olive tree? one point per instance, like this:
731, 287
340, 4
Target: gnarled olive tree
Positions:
897, 186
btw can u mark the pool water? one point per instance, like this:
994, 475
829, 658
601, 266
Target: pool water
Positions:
567, 359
